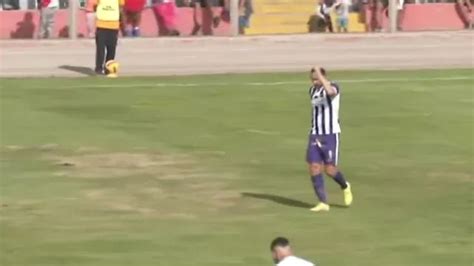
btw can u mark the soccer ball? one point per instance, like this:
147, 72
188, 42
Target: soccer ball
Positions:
112, 67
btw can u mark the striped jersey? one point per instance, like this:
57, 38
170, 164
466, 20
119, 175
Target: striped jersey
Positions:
325, 111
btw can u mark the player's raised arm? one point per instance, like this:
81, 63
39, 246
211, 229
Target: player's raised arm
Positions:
330, 90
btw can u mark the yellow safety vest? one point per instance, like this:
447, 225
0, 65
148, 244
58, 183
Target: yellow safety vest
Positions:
108, 10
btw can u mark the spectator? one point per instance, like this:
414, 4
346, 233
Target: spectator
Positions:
464, 8
364, 14
283, 255
225, 14
203, 8
132, 17
400, 13
245, 11
342, 11
48, 10
378, 7
25, 28
165, 13
323, 11
90, 17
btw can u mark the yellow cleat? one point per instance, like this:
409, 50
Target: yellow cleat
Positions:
348, 195
320, 207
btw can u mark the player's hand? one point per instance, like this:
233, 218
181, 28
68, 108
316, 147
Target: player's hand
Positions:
317, 70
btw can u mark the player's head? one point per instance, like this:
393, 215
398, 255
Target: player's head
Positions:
314, 77
280, 248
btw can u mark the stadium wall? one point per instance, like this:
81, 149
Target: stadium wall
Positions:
420, 17
441, 16
24, 24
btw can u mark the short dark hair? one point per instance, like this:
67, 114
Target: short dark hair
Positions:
323, 71
279, 242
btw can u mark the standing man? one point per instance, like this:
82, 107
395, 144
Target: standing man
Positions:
165, 13
464, 8
48, 10
283, 255
108, 23
202, 9
323, 11
323, 147
133, 17
245, 11
378, 14
90, 17
342, 11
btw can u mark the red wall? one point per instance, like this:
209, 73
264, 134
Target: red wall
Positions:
419, 17
24, 24
442, 16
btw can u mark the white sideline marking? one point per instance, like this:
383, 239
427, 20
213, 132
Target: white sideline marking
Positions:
257, 84
400, 115
262, 132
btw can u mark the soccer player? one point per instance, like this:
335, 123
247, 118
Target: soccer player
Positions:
323, 146
283, 255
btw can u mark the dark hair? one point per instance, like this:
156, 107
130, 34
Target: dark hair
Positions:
279, 242
323, 71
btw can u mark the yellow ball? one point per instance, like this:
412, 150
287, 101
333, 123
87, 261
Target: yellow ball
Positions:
112, 66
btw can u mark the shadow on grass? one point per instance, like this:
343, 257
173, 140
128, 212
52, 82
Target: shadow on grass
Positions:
285, 201
278, 199
79, 69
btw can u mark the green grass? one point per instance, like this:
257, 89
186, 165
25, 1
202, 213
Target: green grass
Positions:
127, 172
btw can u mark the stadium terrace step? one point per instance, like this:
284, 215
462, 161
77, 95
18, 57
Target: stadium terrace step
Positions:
289, 16
293, 23
277, 29
280, 19
286, 9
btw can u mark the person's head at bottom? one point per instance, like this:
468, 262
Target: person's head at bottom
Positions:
280, 248
283, 255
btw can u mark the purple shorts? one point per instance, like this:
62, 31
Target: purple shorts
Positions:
323, 149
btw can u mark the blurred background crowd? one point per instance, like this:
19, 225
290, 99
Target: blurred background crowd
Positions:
49, 18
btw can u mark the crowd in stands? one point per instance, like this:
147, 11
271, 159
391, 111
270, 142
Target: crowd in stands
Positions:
377, 9
372, 13
165, 12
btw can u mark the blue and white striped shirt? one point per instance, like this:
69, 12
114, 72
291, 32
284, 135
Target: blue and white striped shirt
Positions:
325, 113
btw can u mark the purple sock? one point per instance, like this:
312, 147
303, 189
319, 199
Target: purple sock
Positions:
339, 178
318, 184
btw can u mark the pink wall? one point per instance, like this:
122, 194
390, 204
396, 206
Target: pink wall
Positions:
442, 16
24, 24
419, 17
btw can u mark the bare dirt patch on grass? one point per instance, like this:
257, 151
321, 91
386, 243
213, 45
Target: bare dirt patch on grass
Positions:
119, 164
138, 182
144, 186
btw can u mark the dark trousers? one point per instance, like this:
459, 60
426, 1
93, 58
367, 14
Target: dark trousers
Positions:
106, 43
329, 23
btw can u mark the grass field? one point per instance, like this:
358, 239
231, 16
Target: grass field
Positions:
206, 170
